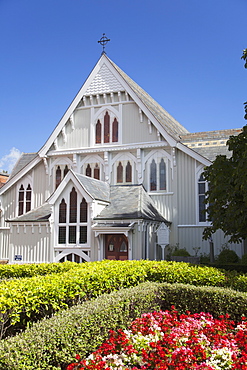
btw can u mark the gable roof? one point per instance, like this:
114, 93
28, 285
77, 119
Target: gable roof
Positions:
210, 143
24, 159
35, 215
97, 189
130, 202
108, 77
171, 125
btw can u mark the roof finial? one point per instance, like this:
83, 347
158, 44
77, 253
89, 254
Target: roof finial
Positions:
103, 41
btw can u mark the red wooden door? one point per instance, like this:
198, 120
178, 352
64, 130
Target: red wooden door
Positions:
116, 247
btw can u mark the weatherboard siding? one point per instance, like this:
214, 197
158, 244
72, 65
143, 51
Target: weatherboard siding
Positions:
186, 189
134, 131
34, 249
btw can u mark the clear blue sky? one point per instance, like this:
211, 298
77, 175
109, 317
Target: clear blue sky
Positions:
184, 53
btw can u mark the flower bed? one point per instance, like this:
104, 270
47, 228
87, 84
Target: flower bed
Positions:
165, 340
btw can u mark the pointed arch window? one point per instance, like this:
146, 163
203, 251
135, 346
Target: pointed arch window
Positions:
119, 173
115, 131
98, 132
21, 201
28, 198
162, 171
58, 176
128, 172
106, 128
107, 131
72, 220
88, 171
62, 212
153, 176
65, 171
24, 199
83, 211
73, 206
201, 198
96, 172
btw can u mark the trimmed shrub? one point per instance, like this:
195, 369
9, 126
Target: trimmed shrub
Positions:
227, 256
180, 252
53, 343
30, 299
34, 269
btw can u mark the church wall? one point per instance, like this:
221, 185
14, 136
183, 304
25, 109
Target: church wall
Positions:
186, 189
40, 185
4, 243
35, 248
79, 135
134, 131
191, 237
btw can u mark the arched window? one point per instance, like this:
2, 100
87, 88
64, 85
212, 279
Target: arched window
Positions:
73, 230
115, 131
201, 198
21, 201
62, 211
96, 173
98, 132
28, 198
88, 171
83, 211
106, 128
65, 171
128, 172
162, 170
73, 206
58, 176
153, 175
119, 173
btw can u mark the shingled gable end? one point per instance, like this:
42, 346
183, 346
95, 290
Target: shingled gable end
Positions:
115, 168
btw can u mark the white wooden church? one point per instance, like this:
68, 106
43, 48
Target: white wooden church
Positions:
118, 178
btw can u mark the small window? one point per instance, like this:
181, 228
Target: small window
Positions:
83, 211
73, 206
128, 172
115, 131
98, 132
21, 201
62, 211
65, 171
162, 168
62, 235
28, 198
88, 171
107, 128
96, 173
72, 234
153, 176
119, 173
58, 176
83, 234
201, 198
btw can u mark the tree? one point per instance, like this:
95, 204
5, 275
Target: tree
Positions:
226, 199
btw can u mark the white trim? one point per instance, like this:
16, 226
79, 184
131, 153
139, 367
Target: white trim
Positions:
115, 148
66, 251
196, 225
104, 60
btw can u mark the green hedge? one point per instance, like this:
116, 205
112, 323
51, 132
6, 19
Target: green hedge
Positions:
32, 269
52, 343
30, 299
